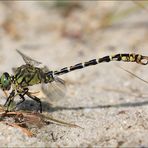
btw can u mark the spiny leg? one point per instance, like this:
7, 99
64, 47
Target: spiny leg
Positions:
23, 99
25, 92
9, 100
22, 96
9, 97
35, 99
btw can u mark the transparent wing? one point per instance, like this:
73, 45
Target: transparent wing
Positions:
54, 90
29, 60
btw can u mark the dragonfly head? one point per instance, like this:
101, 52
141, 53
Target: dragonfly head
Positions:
5, 81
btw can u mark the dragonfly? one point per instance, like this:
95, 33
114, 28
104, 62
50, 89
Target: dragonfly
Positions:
31, 74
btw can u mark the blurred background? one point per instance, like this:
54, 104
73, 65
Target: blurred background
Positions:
74, 29
62, 33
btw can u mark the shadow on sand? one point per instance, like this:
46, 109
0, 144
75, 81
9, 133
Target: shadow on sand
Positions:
32, 106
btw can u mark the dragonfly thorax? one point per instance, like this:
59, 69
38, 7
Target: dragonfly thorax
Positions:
28, 75
5, 81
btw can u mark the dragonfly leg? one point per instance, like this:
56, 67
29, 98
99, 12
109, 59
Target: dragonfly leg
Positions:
9, 100
22, 96
23, 99
20, 102
35, 99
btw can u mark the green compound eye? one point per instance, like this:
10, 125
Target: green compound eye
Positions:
5, 81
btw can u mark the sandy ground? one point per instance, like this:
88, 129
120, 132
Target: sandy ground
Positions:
109, 103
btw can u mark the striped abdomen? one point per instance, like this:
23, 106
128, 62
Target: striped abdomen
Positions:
118, 57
